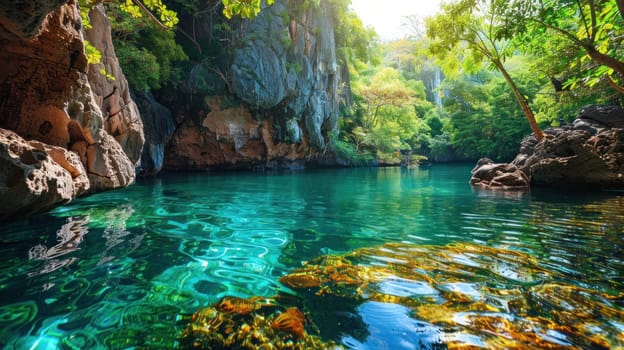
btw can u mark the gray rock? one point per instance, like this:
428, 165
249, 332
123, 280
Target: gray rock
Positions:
23, 19
602, 116
589, 155
158, 126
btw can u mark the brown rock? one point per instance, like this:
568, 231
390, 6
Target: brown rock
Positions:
576, 159
36, 177
108, 166
229, 137
489, 175
121, 114
577, 156
42, 85
46, 96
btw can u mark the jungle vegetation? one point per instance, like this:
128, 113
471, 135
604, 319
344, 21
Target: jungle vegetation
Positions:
469, 82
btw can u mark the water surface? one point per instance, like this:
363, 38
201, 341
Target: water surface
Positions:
124, 268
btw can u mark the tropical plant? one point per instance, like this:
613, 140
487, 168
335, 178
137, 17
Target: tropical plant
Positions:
468, 31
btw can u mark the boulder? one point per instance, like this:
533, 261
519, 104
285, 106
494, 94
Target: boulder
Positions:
602, 116
489, 175
573, 159
589, 153
107, 164
36, 177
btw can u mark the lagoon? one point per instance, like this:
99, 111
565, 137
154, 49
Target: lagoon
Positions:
459, 266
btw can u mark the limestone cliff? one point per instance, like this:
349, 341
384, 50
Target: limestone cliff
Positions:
270, 100
54, 109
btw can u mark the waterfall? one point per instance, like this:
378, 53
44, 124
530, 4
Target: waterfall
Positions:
437, 80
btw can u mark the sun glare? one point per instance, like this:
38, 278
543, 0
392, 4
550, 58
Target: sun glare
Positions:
390, 17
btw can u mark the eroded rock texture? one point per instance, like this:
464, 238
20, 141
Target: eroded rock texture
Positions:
23, 18
121, 114
47, 96
586, 154
35, 176
271, 103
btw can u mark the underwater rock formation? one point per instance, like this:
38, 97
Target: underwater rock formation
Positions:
255, 323
49, 94
473, 296
589, 153
458, 295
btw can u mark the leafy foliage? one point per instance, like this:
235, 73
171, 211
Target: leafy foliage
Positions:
243, 8
591, 31
471, 30
145, 51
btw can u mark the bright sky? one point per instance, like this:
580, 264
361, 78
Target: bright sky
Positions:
387, 16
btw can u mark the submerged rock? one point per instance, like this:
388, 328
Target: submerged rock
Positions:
589, 153
255, 323
470, 295
459, 296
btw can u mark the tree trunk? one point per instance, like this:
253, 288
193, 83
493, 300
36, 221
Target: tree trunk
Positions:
620, 5
528, 113
606, 60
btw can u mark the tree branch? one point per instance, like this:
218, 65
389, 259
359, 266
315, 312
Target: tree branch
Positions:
150, 14
619, 88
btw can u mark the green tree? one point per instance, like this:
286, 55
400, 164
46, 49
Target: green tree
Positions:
593, 29
386, 88
480, 120
470, 30
146, 52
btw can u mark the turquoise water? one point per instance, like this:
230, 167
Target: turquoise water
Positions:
123, 269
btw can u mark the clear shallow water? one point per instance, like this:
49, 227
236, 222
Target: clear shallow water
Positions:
121, 269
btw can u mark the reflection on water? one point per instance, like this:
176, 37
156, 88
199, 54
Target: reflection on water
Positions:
427, 261
116, 233
69, 237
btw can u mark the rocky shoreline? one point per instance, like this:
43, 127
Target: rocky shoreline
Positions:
586, 154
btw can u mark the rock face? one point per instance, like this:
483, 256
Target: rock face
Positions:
36, 176
158, 127
280, 101
586, 154
230, 137
121, 114
22, 19
49, 94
